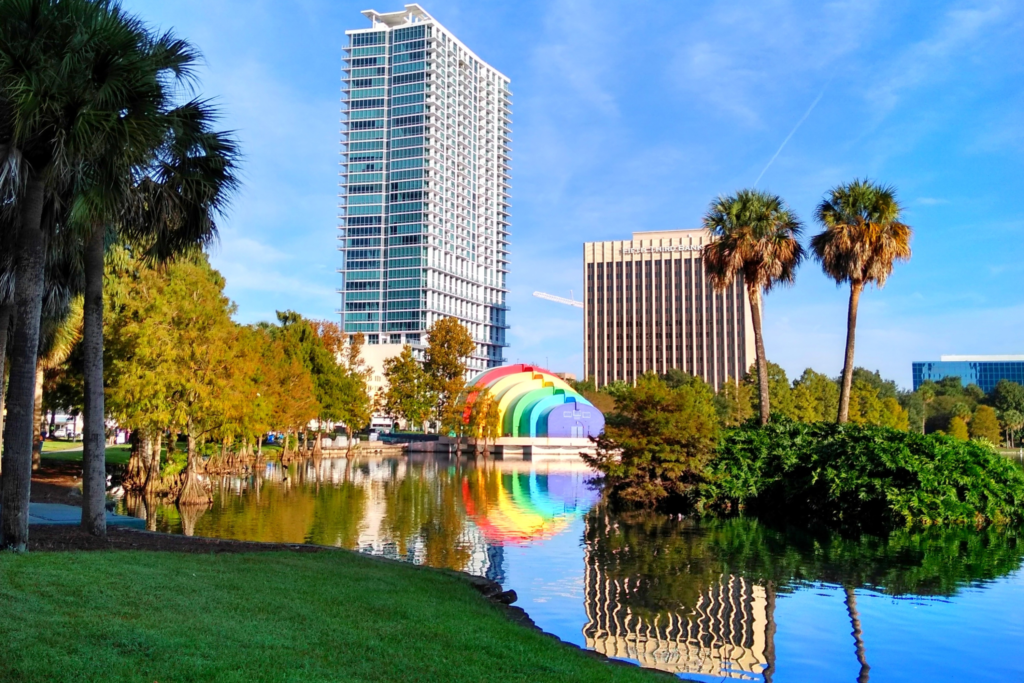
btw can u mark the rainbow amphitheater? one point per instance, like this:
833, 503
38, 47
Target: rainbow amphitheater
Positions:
539, 412
533, 403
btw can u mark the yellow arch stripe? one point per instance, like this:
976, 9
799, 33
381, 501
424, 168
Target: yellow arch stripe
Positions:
510, 395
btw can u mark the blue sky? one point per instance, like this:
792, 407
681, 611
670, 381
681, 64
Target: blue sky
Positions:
633, 116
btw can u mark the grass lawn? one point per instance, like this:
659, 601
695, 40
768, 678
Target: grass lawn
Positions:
116, 455
61, 445
330, 616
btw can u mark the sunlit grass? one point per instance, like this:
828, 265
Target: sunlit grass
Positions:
331, 616
116, 455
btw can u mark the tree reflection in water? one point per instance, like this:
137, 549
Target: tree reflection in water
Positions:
683, 596
698, 596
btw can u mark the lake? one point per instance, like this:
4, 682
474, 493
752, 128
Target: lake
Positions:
711, 600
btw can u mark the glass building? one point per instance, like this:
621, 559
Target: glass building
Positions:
424, 212
985, 371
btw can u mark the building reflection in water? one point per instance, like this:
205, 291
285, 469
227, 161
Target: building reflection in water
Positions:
668, 608
453, 513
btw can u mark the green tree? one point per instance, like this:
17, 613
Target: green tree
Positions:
409, 395
886, 388
949, 386
755, 236
974, 393
779, 392
58, 99
815, 397
1012, 421
862, 239
484, 417
448, 345
583, 385
958, 428
355, 407
1007, 395
656, 446
985, 424
868, 407
917, 409
734, 403
962, 410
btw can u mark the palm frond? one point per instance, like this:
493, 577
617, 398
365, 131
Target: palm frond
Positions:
754, 234
863, 236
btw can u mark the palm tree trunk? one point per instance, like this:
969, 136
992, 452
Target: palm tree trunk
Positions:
94, 458
6, 311
851, 331
769, 632
858, 639
28, 299
37, 418
754, 294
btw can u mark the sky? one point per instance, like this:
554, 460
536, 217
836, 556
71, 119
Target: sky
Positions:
632, 116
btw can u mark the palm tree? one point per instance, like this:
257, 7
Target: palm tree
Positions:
86, 94
861, 241
163, 204
755, 235
53, 90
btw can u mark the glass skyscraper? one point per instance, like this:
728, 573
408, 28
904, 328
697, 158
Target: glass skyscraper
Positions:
424, 212
985, 371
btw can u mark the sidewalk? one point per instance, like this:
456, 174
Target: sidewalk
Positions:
53, 513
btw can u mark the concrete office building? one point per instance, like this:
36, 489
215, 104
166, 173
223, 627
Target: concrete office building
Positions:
985, 371
424, 220
649, 308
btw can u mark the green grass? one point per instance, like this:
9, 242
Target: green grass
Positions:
331, 616
61, 445
116, 455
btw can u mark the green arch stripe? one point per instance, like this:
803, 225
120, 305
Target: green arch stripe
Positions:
521, 413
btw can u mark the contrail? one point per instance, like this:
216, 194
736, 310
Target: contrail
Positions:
795, 128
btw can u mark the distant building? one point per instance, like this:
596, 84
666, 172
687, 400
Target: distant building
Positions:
985, 371
650, 308
424, 213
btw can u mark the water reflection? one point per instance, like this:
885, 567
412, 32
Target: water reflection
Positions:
712, 600
456, 514
692, 596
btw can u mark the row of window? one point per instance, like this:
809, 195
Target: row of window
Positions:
369, 72
368, 51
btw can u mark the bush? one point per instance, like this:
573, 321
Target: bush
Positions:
862, 476
657, 444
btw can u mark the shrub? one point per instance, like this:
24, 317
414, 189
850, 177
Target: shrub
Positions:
862, 476
657, 444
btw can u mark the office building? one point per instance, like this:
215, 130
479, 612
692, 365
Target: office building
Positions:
985, 371
424, 219
727, 631
650, 308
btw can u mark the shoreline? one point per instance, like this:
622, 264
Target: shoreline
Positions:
55, 483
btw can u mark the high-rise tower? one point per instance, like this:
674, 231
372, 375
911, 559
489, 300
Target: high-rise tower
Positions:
424, 220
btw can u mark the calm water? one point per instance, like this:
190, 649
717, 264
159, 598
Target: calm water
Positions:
721, 600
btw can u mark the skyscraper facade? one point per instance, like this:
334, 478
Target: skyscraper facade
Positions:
425, 181
649, 308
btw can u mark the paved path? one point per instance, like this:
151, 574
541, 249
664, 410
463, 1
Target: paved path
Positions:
52, 513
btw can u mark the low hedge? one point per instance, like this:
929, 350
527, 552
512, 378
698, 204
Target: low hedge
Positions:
861, 476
